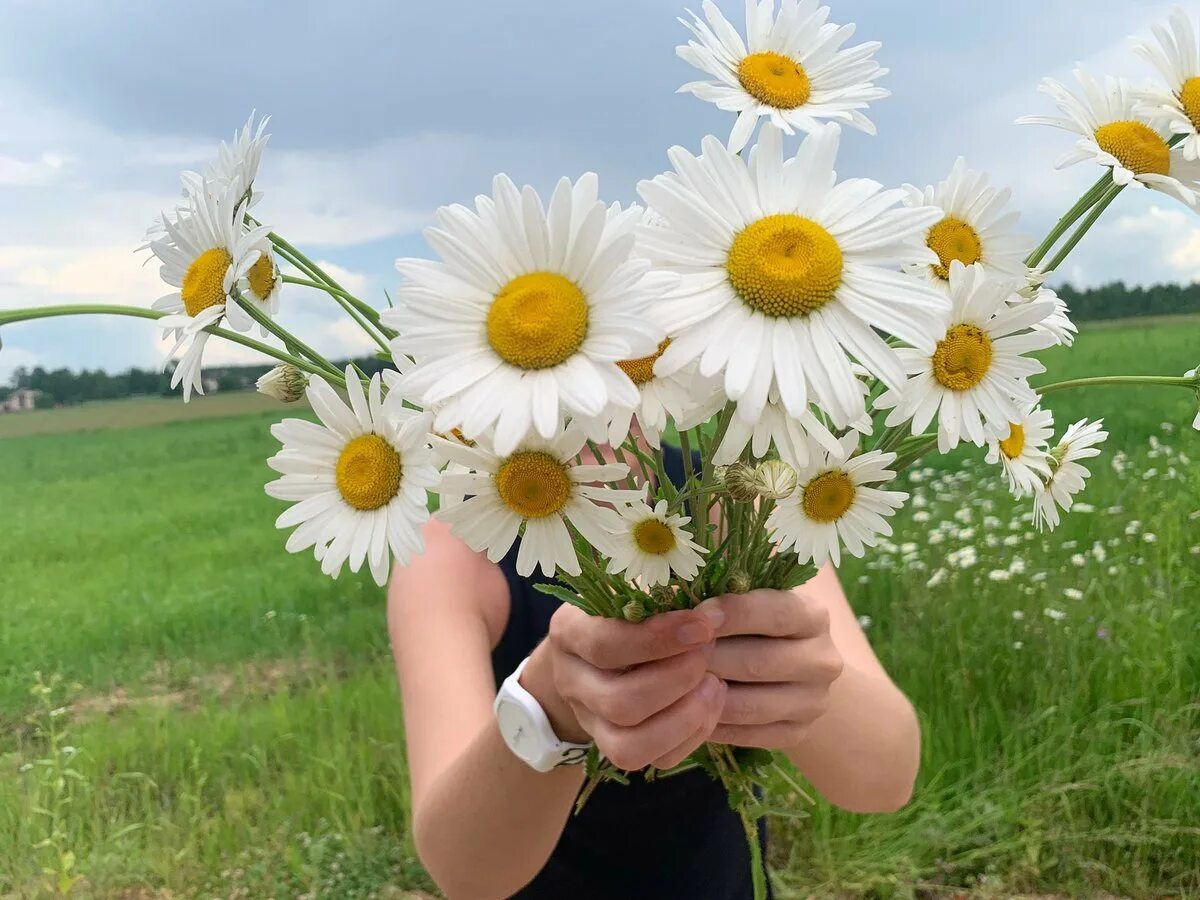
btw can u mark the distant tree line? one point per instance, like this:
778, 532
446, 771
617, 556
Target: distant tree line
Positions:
1119, 301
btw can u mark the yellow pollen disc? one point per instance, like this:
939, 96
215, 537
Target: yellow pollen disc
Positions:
641, 371
962, 358
1013, 445
1139, 148
829, 496
953, 239
533, 484
262, 277
368, 472
785, 265
538, 320
1189, 97
204, 281
654, 537
775, 80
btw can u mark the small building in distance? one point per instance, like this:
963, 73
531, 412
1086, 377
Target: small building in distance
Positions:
20, 400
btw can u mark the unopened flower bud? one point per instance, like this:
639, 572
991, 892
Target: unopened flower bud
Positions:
739, 582
634, 611
775, 480
739, 481
285, 383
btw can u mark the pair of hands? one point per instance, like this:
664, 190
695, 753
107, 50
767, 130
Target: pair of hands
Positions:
751, 670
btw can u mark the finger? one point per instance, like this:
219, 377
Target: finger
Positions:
771, 613
762, 659
762, 704
775, 736
687, 748
635, 748
617, 644
631, 697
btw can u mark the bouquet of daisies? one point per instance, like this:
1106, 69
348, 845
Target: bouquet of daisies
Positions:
801, 339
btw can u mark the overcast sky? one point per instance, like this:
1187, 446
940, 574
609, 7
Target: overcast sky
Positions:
383, 111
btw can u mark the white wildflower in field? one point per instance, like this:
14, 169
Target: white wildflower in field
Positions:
1073, 594
1055, 615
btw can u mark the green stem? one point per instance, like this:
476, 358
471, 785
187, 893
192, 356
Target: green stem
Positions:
348, 302
294, 343
1084, 228
1086, 202
49, 312
1158, 380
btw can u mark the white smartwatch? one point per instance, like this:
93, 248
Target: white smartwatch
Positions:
527, 731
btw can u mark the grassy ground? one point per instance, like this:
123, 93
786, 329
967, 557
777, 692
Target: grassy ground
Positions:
227, 722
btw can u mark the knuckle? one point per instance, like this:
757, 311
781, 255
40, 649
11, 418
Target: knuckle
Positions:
744, 710
759, 664
620, 709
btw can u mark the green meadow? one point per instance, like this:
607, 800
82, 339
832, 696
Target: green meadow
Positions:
187, 711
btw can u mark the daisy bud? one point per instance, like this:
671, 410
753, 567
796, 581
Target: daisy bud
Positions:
634, 611
775, 480
284, 383
739, 482
739, 582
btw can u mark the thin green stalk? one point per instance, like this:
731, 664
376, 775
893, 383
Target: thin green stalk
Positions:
286, 336
350, 305
1086, 202
1159, 380
1084, 228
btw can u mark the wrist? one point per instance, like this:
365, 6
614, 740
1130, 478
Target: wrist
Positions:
538, 679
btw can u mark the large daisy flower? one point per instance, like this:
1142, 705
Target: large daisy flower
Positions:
1114, 135
540, 487
359, 479
1067, 476
786, 274
1177, 56
977, 226
524, 320
236, 165
838, 503
650, 544
977, 373
1022, 448
208, 256
791, 68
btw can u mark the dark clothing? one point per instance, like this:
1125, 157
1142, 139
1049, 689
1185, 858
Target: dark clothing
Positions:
671, 838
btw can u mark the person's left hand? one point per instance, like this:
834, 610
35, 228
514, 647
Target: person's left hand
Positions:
775, 652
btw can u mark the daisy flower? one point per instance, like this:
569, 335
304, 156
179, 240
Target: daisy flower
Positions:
207, 256
1058, 324
651, 544
977, 373
1067, 476
537, 488
792, 437
1113, 135
786, 274
977, 226
358, 479
524, 320
1177, 56
236, 165
838, 503
792, 68
1192, 374
1022, 447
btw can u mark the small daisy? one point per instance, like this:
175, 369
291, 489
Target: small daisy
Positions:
837, 504
540, 487
1114, 135
524, 320
236, 165
978, 373
1022, 448
1058, 324
977, 226
207, 256
792, 437
1067, 476
651, 544
359, 479
1177, 57
1192, 374
786, 275
792, 68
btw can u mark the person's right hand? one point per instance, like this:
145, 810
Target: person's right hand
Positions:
641, 691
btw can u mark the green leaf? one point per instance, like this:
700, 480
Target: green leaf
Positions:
566, 596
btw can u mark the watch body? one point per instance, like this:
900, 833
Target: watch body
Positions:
526, 729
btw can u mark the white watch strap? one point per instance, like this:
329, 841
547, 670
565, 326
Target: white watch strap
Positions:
541, 750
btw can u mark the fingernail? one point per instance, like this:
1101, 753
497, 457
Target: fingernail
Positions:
694, 633
711, 610
710, 688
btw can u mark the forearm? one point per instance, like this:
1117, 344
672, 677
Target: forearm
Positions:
864, 752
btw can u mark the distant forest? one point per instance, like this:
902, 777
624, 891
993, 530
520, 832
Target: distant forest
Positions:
62, 386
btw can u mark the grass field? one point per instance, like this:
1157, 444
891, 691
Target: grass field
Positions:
227, 722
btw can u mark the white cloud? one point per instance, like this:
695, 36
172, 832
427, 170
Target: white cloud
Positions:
355, 282
46, 169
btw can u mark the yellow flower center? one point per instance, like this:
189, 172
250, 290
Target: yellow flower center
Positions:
785, 265
654, 537
368, 472
775, 80
204, 281
1013, 445
538, 320
1138, 147
962, 358
262, 277
641, 371
953, 239
829, 496
1189, 97
533, 484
